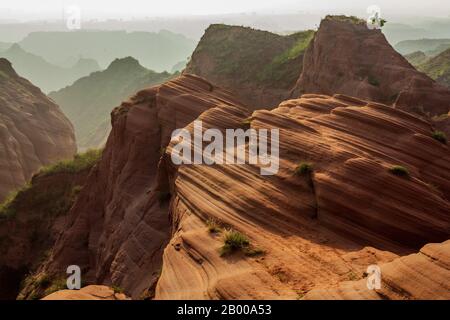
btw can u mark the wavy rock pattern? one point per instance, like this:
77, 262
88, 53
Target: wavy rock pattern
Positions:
315, 232
351, 213
33, 130
423, 275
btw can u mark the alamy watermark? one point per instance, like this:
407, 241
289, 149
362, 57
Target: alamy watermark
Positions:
373, 277
375, 21
72, 17
73, 282
231, 149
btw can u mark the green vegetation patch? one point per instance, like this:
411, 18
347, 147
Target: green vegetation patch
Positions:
7, 208
399, 171
304, 168
233, 241
299, 47
80, 162
213, 226
440, 136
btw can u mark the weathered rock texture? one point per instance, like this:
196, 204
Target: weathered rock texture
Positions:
316, 230
423, 275
33, 130
345, 57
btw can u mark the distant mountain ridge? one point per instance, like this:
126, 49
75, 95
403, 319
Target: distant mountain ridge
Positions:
438, 68
45, 75
89, 101
156, 51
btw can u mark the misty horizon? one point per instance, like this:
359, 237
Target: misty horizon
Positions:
53, 10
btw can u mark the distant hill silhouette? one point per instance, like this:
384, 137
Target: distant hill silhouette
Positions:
43, 74
90, 100
156, 51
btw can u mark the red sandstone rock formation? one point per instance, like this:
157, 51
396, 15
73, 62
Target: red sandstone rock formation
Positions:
33, 130
120, 223
316, 230
423, 275
346, 57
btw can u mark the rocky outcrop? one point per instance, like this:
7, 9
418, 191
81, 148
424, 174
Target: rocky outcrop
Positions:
119, 226
33, 130
346, 57
92, 292
258, 66
423, 275
353, 209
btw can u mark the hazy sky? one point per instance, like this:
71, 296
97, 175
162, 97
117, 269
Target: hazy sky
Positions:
126, 9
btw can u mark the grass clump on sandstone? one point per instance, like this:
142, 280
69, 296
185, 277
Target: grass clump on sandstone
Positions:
304, 169
399, 171
440, 136
233, 241
213, 225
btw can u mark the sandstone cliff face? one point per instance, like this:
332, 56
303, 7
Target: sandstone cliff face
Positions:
258, 66
314, 230
119, 226
346, 57
30, 224
33, 130
423, 275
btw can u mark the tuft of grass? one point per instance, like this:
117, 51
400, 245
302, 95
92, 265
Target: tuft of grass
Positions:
352, 276
440, 136
213, 226
304, 168
7, 207
373, 81
117, 289
399, 171
80, 162
233, 241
